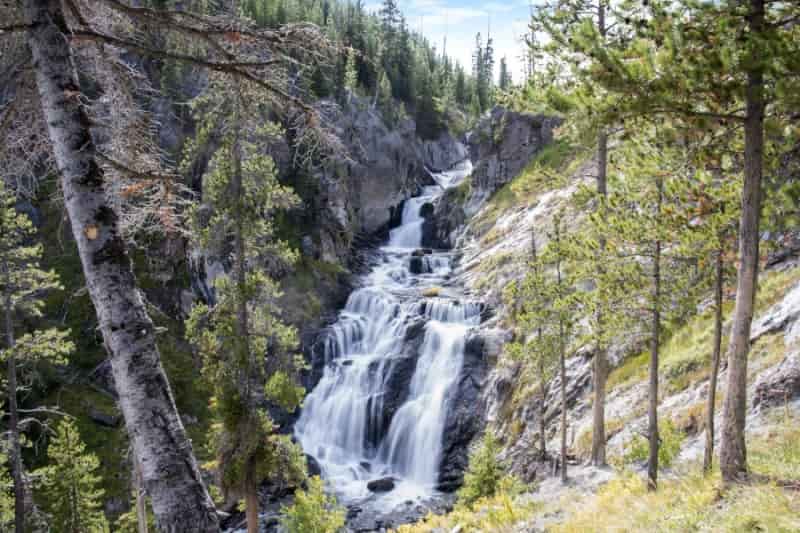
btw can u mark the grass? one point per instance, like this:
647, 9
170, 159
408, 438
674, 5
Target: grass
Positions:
498, 514
695, 502
686, 355
689, 501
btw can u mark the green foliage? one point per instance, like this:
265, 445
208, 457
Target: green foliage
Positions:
234, 335
313, 511
484, 473
637, 449
6, 495
72, 483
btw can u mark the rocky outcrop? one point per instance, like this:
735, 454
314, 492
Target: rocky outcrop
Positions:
361, 191
443, 153
465, 418
780, 384
501, 145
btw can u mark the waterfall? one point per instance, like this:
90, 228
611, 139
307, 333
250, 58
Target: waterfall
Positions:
345, 423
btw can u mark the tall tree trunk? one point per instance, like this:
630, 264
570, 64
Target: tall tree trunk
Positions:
169, 470
733, 452
600, 362
708, 457
563, 368
562, 357
652, 415
251, 500
600, 358
542, 406
15, 456
242, 315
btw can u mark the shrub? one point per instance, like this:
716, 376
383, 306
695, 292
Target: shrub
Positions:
313, 511
484, 473
637, 450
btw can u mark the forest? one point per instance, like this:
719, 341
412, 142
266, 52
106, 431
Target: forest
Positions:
289, 266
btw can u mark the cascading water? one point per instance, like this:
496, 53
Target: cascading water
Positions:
343, 424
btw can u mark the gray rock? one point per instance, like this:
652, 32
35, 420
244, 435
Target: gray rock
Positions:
780, 384
501, 146
104, 419
464, 420
385, 484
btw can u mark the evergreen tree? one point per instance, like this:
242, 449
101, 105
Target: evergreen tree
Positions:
564, 23
644, 224
6, 495
22, 284
531, 301
484, 473
679, 54
73, 483
313, 511
350, 74
246, 348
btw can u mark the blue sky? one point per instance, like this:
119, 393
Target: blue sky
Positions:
460, 21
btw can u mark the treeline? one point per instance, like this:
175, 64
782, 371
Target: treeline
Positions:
690, 110
385, 61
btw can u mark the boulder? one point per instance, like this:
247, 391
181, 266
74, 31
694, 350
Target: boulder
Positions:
104, 419
381, 485
780, 384
313, 466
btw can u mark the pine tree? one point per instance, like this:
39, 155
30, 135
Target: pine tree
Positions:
73, 483
565, 23
680, 52
350, 74
531, 299
313, 511
22, 284
644, 224
237, 332
7, 521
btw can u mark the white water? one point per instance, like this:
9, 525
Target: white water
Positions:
342, 423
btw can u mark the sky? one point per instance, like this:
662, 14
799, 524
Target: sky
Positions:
460, 21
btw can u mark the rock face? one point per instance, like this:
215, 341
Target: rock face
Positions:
779, 385
502, 145
443, 153
465, 419
361, 192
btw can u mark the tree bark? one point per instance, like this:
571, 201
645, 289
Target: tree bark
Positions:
708, 457
542, 406
600, 363
733, 451
15, 456
562, 357
251, 501
169, 470
652, 415
563, 365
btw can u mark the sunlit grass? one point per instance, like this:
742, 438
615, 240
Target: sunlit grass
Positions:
496, 514
695, 502
685, 358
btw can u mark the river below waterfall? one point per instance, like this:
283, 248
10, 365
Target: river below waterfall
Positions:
379, 445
